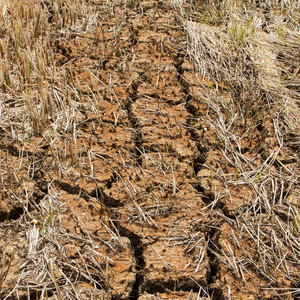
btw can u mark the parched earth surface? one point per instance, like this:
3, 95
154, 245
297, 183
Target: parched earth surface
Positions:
131, 189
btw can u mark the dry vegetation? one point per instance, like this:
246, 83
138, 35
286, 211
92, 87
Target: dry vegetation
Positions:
149, 150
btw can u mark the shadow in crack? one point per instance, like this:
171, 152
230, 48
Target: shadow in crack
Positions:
137, 246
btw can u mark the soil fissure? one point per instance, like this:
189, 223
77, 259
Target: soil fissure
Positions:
212, 240
137, 247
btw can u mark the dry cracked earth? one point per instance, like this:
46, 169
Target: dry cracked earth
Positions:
123, 194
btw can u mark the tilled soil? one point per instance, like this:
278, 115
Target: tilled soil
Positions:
121, 196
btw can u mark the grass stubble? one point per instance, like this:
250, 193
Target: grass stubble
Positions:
252, 48
247, 51
39, 104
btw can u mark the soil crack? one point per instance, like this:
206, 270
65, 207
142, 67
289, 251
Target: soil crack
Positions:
132, 92
137, 246
212, 240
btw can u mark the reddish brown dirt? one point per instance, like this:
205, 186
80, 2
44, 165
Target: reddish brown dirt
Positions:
137, 209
